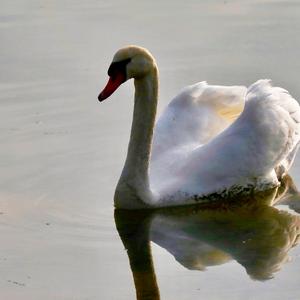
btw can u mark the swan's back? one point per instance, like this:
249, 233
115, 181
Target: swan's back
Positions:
264, 138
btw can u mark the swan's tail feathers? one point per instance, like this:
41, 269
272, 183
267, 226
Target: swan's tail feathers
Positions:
276, 115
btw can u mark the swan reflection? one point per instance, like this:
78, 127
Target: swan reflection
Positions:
258, 236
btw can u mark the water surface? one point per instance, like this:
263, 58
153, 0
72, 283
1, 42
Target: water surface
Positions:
62, 152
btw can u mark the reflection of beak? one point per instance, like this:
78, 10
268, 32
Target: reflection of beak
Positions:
112, 84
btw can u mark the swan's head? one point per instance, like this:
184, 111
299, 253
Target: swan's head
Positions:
129, 62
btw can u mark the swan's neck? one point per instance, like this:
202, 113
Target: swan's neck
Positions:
134, 182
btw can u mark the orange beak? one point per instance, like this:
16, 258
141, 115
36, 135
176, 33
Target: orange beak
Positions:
112, 84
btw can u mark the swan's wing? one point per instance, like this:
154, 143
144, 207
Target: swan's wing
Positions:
264, 137
197, 114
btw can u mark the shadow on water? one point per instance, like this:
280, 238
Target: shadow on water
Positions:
251, 231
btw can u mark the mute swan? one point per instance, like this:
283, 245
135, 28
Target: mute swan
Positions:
210, 140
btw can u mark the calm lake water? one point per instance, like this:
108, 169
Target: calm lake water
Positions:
62, 152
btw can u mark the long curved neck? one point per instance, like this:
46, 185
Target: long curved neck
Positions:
134, 180
145, 103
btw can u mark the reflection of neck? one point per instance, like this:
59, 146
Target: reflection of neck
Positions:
134, 232
143, 271
134, 178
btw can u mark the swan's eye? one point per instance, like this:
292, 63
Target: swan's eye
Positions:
118, 67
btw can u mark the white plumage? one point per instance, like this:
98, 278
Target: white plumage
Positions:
229, 146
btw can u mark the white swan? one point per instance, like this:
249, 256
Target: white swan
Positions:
209, 140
